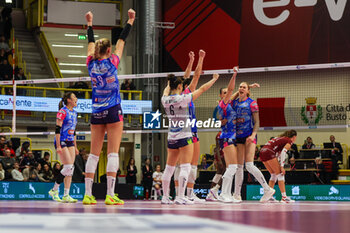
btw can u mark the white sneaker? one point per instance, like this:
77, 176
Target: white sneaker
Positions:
236, 199
287, 200
196, 199
166, 200
272, 200
267, 195
183, 201
226, 198
210, 197
215, 193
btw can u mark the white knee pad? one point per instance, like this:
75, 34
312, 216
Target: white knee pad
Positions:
112, 162
67, 170
250, 167
91, 163
216, 178
280, 177
185, 170
273, 177
177, 172
193, 174
168, 172
230, 171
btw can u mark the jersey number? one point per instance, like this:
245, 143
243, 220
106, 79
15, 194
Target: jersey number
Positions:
172, 110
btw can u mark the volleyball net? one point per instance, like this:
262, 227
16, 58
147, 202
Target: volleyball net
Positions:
298, 97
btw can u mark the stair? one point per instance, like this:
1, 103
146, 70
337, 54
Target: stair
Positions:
343, 178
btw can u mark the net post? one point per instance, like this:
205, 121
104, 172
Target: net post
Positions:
14, 107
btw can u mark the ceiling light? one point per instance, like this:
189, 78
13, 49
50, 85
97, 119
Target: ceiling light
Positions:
67, 46
80, 56
70, 64
71, 72
67, 34
8, 1
96, 36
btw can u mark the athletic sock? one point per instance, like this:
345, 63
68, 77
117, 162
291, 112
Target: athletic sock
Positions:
189, 192
55, 187
284, 194
66, 192
110, 185
88, 186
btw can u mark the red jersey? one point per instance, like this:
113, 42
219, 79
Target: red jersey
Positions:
217, 138
277, 144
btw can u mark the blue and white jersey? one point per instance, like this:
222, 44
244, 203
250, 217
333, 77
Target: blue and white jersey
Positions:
245, 121
104, 82
70, 119
192, 111
227, 112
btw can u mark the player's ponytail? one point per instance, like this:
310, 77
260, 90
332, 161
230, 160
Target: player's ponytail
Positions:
174, 81
64, 99
289, 133
101, 47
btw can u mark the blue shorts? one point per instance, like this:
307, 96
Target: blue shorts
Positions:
195, 137
243, 140
225, 142
111, 115
65, 144
176, 144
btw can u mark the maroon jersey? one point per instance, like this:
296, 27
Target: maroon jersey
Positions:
217, 138
277, 144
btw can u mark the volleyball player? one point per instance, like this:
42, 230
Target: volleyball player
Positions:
220, 170
66, 145
273, 149
180, 146
246, 128
227, 142
107, 113
189, 87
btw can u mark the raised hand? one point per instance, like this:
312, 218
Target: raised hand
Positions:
235, 69
216, 76
191, 55
201, 53
89, 16
131, 14
254, 85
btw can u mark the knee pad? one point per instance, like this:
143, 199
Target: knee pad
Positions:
112, 162
230, 171
91, 164
273, 177
216, 178
168, 172
250, 166
67, 170
185, 170
177, 172
193, 174
280, 177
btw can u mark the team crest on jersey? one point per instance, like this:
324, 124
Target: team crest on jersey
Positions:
110, 79
311, 114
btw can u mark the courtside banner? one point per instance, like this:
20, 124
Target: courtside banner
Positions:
257, 33
42, 104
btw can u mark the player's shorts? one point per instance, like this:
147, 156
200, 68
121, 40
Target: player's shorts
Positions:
65, 144
176, 144
225, 142
243, 140
266, 154
111, 115
195, 137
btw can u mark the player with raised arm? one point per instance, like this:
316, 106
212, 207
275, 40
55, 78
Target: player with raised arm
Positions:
180, 146
107, 113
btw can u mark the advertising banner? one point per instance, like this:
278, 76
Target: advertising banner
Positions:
305, 192
36, 190
43, 104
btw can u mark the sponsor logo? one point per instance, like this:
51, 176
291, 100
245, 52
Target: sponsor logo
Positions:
151, 120
311, 114
295, 190
333, 190
71, 131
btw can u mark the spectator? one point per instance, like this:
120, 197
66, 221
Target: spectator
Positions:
128, 85
147, 180
56, 169
157, 180
293, 152
39, 173
27, 160
337, 151
204, 165
30, 173
131, 172
7, 163
7, 70
46, 160
22, 151
19, 75
80, 85
3, 55
9, 146
4, 45
46, 173
293, 165
321, 174
308, 144
2, 142
2, 172
16, 174
79, 164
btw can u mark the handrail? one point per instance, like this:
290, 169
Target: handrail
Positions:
50, 56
